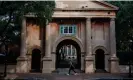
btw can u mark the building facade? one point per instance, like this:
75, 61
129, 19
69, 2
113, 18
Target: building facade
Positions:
83, 31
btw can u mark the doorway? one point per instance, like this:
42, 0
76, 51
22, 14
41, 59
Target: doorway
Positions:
100, 60
66, 50
36, 60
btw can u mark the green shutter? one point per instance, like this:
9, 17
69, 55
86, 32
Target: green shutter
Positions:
74, 29
61, 29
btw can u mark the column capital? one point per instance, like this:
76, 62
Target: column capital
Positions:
23, 18
88, 18
112, 19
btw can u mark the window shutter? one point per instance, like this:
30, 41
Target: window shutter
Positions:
74, 29
61, 29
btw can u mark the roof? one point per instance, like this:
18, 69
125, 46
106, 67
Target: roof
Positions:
84, 5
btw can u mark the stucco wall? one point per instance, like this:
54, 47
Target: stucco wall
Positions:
55, 34
100, 33
33, 34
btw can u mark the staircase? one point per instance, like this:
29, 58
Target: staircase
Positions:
101, 71
65, 71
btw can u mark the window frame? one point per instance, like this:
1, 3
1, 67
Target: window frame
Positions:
73, 31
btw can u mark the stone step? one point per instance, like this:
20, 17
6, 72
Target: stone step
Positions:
65, 71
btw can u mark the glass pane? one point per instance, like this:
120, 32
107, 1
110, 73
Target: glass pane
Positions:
70, 29
65, 29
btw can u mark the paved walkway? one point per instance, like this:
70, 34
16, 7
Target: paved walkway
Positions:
53, 76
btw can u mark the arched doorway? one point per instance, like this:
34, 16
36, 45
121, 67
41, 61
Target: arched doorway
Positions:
68, 49
99, 60
36, 60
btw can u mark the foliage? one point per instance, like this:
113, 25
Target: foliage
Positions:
11, 13
124, 25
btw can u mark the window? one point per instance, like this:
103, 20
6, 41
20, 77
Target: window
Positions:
68, 29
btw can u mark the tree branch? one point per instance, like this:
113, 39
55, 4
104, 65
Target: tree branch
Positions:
2, 31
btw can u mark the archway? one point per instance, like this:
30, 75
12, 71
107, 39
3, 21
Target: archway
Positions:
68, 49
36, 60
99, 60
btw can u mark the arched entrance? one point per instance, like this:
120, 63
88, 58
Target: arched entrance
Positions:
68, 49
99, 60
36, 60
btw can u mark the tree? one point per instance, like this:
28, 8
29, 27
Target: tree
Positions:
11, 13
124, 25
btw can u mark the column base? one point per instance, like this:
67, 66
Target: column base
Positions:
114, 65
47, 65
22, 65
89, 66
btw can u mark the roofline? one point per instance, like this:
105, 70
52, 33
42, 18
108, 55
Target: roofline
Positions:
83, 9
108, 4
114, 8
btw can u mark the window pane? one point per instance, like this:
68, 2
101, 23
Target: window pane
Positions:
70, 29
65, 29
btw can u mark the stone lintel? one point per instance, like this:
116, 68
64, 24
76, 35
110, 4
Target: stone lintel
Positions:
112, 19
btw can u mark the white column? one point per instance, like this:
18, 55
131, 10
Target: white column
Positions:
88, 37
23, 38
112, 38
48, 42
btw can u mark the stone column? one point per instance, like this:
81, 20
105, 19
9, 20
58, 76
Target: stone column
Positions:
22, 61
88, 37
88, 59
114, 64
48, 42
47, 61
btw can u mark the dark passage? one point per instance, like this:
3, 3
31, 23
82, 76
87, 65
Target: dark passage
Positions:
99, 60
36, 60
67, 49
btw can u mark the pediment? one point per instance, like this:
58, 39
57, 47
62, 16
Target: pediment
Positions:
84, 5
